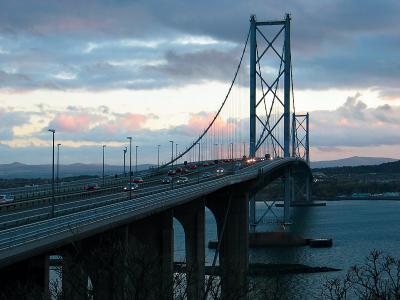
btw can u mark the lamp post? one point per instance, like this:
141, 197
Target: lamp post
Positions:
52, 182
125, 150
130, 166
216, 152
158, 156
172, 153
136, 159
176, 153
58, 166
103, 163
244, 149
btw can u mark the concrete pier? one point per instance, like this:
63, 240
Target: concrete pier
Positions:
27, 279
230, 209
191, 216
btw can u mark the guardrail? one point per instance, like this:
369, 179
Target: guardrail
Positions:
136, 194
55, 226
45, 197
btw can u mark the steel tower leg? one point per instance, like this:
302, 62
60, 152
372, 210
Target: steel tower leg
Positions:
252, 218
307, 139
286, 120
286, 117
287, 196
252, 145
253, 42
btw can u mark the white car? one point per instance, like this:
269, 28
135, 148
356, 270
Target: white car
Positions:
182, 180
6, 199
220, 171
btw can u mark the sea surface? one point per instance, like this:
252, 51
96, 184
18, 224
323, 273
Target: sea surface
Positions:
357, 227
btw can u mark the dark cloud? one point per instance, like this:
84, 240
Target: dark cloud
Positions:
208, 64
10, 119
70, 44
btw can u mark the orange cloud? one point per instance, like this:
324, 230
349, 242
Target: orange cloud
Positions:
72, 123
343, 122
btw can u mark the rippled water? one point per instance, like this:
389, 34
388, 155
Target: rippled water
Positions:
356, 227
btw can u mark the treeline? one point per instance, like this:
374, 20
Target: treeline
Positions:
335, 188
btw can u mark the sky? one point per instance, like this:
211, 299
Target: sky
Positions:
98, 71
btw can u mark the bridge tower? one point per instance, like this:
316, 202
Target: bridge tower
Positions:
271, 87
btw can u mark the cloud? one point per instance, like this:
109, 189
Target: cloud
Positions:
75, 123
9, 120
355, 125
205, 65
69, 45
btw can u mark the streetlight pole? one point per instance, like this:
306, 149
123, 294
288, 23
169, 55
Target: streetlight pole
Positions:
158, 156
216, 152
130, 166
52, 182
176, 153
172, 153
232, 151
103, 163
125, 150
244, 149
58, 164
136, 159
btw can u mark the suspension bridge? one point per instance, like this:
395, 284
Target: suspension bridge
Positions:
254, 137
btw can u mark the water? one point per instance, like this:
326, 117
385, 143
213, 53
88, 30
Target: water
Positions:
356, 227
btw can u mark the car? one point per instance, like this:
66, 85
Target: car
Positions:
91, 187
131, 186
5, 198
182, 180
179, 170
137, 180
205, 164
250, 161
206, 175
192, 167
220, 171
166, 180
171, 172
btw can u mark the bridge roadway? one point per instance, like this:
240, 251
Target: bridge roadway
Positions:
25, 215
38, 237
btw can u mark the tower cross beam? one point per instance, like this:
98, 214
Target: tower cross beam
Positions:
270, 44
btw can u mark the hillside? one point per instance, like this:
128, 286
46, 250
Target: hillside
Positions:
351, 162
18, 170
385, 168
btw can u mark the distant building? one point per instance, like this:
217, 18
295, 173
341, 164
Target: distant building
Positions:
361, 195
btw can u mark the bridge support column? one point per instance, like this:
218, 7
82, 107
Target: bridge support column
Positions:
308, 188
74, 278
191, 216
152, 256
134, 261
102, 258
287, 195
252, 206
27, 279
231, 212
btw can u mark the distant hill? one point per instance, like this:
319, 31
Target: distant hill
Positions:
18, 170
351, 162
385, 168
